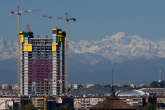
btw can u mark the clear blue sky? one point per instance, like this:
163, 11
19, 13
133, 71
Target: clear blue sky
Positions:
95, 18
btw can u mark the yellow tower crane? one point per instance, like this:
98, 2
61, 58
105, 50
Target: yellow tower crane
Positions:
19, 13
67, 20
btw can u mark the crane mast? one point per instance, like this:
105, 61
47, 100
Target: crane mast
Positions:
66, 54
67, 19
18, 49
19, 13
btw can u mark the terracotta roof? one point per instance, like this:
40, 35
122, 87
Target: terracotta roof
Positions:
112, 103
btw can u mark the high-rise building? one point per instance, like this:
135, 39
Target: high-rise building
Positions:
42, 64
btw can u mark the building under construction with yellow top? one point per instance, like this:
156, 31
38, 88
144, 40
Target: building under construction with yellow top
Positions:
42, 64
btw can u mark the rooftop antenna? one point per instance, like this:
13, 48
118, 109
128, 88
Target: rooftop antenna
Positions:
112, 88
160, 75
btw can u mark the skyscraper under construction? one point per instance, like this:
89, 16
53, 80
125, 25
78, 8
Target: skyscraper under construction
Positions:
42, 64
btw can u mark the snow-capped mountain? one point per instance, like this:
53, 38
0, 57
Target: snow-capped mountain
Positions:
91, 61
7, 49
117, 47
120, 47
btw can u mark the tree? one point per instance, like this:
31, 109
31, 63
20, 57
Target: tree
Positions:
162, 84
29, 107
150, 106
10, 108
64, 107
154, 84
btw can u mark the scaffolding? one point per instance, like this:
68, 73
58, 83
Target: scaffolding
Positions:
42, 63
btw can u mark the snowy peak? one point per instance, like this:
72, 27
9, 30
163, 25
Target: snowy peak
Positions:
7, 49
120, 47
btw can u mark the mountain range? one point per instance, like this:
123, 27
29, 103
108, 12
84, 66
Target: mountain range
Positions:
132, 58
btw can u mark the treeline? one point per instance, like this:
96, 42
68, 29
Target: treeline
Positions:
157, 84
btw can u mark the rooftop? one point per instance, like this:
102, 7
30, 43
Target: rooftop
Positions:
112, 103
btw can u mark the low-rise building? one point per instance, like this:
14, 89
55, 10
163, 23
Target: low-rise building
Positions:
133, 100
112, 103
5, 86
8, 102
86, 102
76, 86
89, 85
160, 100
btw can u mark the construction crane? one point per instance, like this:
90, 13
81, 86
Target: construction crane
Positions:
45, 99
19, 13
51, 17
67, 20
28, 27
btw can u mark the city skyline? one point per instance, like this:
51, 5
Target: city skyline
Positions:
123, 23
88, 54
